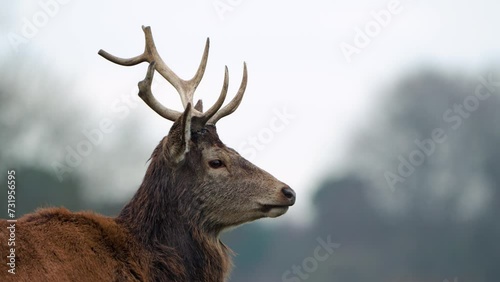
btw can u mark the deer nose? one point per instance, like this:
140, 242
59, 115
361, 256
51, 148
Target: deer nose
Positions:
289, 194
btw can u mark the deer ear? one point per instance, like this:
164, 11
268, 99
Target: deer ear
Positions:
179, 136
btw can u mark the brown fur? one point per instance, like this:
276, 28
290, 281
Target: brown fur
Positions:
170, 229
57, 245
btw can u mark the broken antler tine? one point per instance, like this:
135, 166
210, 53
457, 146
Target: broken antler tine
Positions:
147, 96
199, 106
213, 110
235, 102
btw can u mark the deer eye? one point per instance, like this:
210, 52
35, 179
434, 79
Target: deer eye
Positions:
216, 164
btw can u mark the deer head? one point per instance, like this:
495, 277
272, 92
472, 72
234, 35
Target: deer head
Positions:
192, 173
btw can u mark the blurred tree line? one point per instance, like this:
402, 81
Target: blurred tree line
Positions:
435, 222
439, 223
38, 121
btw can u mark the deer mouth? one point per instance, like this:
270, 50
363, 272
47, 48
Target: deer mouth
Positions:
274, 210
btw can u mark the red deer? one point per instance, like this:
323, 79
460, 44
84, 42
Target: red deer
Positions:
194, 188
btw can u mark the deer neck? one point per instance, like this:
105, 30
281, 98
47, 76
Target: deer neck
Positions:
157, 219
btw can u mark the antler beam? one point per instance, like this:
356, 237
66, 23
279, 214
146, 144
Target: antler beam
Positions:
185, 88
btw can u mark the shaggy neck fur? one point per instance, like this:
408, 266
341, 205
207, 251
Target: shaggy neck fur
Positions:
164, 219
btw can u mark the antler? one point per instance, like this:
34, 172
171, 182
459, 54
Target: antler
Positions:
185, 88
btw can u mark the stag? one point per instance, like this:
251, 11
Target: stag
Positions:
194, 188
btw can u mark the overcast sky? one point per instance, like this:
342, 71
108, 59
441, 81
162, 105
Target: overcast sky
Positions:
296, 56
